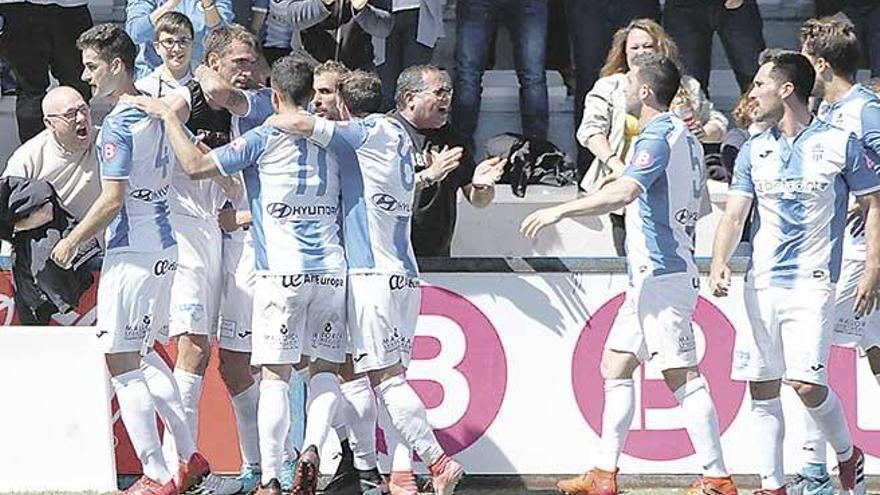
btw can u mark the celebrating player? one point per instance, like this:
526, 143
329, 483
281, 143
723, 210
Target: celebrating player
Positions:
660, 188
799, 173
299, 294
141, 258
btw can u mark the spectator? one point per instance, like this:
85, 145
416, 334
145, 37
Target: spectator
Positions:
417, 26
865, 16
341, 30
591, 26
64, 153
142, 15
739, 25
272, 25
174, 45
38, 38
478, 21
606, 129
422, 98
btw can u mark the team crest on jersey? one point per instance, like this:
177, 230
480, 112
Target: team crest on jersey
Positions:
817, 152
642, 159
109, 151
237, 144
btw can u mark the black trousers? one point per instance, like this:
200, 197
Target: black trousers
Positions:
591, 25
35, 40
692, 23
401, 51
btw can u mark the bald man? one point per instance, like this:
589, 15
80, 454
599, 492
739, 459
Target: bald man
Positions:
64, 153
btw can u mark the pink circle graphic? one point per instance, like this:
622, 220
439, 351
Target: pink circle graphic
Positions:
657, 445
484, 367
842, 376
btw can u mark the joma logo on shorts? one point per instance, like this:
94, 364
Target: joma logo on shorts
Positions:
164, 266
400, 282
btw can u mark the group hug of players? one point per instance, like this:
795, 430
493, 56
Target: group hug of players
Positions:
313, 270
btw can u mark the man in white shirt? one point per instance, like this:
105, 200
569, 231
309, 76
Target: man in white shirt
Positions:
64, 153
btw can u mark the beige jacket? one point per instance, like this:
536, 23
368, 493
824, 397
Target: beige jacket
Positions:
605, 113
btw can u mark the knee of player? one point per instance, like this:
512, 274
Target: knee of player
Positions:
617, 365
811, 394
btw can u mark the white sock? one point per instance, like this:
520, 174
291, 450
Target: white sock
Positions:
138, 413
361, 419
702, 425
814, 448
769, 428
273, 420
190, 386
323, 398
877, 376
178, 444
616, 420
245, 407
408, 415
829, 417
399, 452
340, 417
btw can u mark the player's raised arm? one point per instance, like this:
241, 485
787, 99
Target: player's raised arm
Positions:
194, 163
611, 198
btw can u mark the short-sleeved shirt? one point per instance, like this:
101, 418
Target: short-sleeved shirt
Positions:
857, 112
801, 188
73, 176
436, 208
132, 147
377, 164
293, 190
667, 164
259, 109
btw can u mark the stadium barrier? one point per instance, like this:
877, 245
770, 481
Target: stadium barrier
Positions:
54, 421
506, 358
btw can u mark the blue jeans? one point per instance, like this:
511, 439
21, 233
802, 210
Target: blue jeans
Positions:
478, 22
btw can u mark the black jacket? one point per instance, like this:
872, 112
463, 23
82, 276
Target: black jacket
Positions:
41, 287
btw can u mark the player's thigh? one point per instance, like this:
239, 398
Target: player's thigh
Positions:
626, 334
806, 316
197, 281
237, 300
383, 311
133, 300
665, 309
278, 319
325, 318
757, 354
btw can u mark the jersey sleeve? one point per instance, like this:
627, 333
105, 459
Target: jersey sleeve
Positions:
241, 153
741, 183
871, 133
858, 171
259, 105
338, 136
115, 149
649, 160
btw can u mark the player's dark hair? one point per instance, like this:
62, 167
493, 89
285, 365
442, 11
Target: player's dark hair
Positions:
293, 79
175, 24
660, 74
331, 66
220, 39
110, 42
834, 39
361, 91
792, 67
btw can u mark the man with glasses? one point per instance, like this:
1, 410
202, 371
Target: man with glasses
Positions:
423, 97
63, 154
